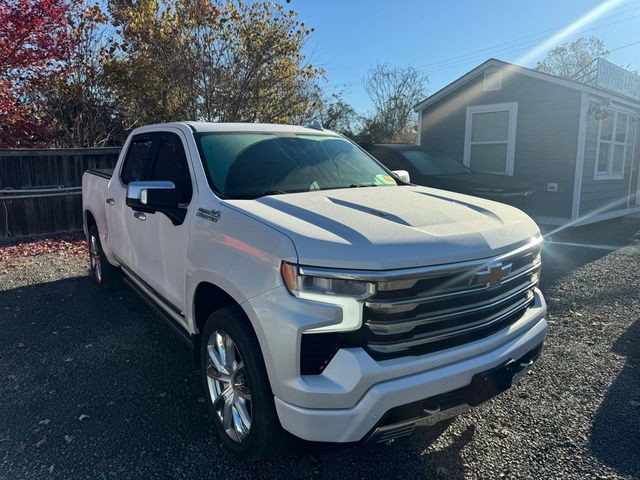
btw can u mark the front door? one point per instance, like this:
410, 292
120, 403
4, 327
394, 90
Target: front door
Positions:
159, 248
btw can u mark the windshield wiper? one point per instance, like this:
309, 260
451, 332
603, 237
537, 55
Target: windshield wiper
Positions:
273, 192
356, 185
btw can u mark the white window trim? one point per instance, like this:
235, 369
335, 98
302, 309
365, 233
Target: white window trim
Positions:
512, 108
608, 175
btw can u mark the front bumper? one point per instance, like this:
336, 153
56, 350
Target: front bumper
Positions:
353, 424
400, 421
353, 393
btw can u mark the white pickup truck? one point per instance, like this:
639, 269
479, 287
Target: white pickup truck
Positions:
322, 295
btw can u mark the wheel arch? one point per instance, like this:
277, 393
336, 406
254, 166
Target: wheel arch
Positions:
209, 298
89, 220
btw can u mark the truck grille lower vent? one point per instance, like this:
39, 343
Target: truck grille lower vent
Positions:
317, 351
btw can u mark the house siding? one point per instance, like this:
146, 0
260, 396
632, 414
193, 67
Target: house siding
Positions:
546, 132
603, 195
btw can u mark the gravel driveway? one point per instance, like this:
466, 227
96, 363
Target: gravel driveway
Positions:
93, 385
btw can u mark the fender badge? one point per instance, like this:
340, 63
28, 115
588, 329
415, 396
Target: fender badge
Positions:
211, 215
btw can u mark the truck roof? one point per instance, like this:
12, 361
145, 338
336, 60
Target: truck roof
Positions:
246, 127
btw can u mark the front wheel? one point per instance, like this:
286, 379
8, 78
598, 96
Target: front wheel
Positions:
238, 391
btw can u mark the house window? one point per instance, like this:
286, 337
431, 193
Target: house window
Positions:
490, 137
613, 137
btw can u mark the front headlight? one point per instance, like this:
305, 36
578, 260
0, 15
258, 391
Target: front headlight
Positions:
346, 293
302, 284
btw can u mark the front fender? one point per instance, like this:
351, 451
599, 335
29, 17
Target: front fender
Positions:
237, 254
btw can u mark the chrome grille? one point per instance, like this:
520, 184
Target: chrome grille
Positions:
449, 305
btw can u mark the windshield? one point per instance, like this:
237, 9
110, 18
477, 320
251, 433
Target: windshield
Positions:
434, 163
250, 165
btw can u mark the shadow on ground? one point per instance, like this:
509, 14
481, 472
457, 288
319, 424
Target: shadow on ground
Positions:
68, 351
615, 433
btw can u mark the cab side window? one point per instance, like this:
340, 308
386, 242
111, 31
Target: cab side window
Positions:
137, 159
171, 165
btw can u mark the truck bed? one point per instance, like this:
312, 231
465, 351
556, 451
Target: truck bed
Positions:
101, 172
95, 182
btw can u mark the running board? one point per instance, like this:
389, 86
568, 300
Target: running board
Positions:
177, 328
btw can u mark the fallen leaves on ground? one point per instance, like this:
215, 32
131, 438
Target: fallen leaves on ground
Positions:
83, 416
71, 245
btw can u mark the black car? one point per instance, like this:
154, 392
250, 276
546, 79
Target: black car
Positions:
439, 170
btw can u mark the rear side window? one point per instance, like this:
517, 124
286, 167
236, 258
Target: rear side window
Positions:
136, 160
171, 165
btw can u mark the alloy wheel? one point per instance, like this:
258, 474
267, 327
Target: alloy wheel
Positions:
94, 255
228, 386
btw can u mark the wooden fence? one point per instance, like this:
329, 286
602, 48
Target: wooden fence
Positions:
40, 190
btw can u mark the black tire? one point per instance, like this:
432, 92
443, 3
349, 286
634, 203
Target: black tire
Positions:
105, 275
265, 436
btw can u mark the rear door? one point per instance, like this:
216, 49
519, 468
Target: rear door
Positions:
119, 216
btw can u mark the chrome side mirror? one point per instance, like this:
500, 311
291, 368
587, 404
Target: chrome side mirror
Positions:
151, 195
402, 175
156, 196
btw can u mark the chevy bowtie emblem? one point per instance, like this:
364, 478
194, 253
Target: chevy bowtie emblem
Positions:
491, 275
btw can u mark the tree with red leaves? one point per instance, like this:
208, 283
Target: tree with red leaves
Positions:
33, 41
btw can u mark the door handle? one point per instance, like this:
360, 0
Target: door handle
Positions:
140, 216
110, 201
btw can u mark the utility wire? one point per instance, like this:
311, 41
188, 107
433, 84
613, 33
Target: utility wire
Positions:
473, 57
573, 77
505, 51
519, 39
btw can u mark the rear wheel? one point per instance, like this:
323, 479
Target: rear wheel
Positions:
238, 391
105, 275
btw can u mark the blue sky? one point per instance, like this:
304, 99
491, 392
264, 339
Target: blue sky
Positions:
445, 39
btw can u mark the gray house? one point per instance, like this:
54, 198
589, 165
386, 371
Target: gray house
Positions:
576, 143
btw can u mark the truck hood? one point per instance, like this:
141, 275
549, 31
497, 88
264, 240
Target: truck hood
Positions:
389, 227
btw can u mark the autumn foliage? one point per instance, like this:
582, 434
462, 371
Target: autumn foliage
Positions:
69, 245
79, 74
33, 42
211, 60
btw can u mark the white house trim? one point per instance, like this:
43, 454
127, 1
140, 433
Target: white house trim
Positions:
509, 67
512, 108
636, 139
582, 137
637, 198
613, 143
